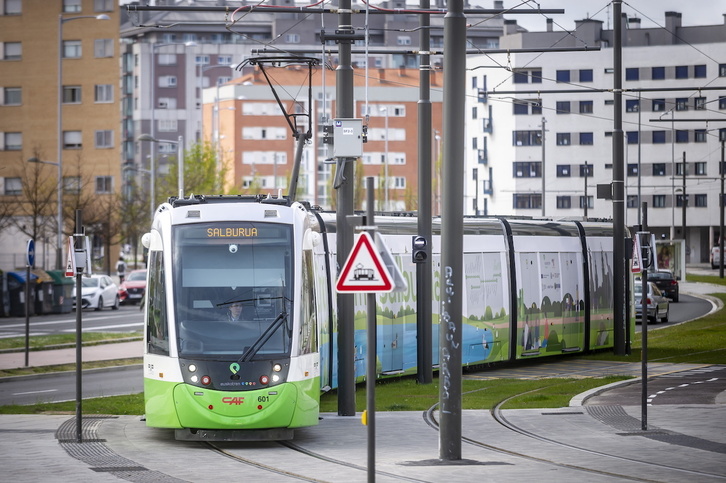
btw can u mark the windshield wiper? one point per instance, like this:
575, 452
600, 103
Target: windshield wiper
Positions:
262, 340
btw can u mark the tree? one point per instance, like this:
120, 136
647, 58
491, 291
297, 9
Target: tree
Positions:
203, 174
133, 216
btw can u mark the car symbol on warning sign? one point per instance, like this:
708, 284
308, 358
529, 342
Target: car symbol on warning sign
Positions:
364, 271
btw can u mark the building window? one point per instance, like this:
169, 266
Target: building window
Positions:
632, 201
679, 201
72, 49
72, 140
632, 169
699, 71
527, 138
11, 96
103, 48
586, 107
527, 169
72, 184
563, 107
659, 201
586, 170
632, 137
632, 74
71, 94
564, 202
587, 199
104, 139
527, 201
103, 93
520, 77
699, 103
563, 170
585, 75
657, 73
292, 38
167, 103
679, 169
537, 106
659, 169
104, 184
201, 60
13, 141
722, 102
701, 201
71, 6
103, 5
681, 136
519, 107
563, 76
659, 137
399, 182
700, 168
536, 76
403, 40
700, 135
167, 125
563, 139
166, 59
632, 105
682, 104
12, 51
13, 7
13, 186
224, 59
658, 105
167, 81
681, 72
722, 70
586, 139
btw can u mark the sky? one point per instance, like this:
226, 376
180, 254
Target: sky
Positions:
651, 12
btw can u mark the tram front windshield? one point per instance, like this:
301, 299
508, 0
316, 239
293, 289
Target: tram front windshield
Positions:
233, 286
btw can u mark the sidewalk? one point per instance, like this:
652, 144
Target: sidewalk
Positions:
103, 352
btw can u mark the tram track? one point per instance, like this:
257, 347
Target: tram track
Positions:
498, 416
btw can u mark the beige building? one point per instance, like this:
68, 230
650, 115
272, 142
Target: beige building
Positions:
30, 126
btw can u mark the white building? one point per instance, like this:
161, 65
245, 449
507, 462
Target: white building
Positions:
674, 108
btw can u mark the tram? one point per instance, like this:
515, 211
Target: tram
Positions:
241, 312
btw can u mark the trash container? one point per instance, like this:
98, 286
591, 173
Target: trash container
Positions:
16, 290
62, 292
43, 291
4, 300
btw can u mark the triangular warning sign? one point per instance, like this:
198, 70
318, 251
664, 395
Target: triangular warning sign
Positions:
71, 259
364, 270
637, 265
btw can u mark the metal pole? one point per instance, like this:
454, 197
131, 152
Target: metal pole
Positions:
372, 344
423, 270
180, 162
684, 203
27, 315
79, 246
59, 153
452, 228
585, 204
618, 189
385, 166
346, 329
152, 148
720, 233
544, 121
644, 323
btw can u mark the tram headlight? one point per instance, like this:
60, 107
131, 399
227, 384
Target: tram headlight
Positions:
276, 367
275, 378
195, 378
192, 368
233, 248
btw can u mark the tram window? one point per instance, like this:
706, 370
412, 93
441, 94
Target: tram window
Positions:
158, 335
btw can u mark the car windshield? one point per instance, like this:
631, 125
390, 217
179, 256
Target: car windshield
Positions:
660, 276
90, 282
136, 276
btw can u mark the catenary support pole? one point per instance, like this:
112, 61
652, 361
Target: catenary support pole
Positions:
346, 329
452, 226
79, 245
424, 276
644, 323
372, 343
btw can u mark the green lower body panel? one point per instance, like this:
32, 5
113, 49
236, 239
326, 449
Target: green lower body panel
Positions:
288, 405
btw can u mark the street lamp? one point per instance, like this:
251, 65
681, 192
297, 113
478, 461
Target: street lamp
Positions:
180, 161
61, 21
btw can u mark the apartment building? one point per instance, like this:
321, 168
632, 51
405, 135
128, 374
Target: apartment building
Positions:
540, 127
82, 144
252, 132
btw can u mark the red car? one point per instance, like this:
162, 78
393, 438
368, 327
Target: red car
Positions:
132, 289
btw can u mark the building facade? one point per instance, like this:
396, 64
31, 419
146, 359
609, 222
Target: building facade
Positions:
539, 134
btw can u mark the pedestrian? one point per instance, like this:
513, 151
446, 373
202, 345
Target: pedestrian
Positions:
121, 269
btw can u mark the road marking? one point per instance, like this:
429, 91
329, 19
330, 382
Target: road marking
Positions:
63, 321
34, 392
104, 327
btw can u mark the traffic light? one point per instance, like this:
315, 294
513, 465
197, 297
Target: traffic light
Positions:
418, 249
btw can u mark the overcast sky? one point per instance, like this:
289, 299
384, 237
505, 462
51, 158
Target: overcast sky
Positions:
651, 12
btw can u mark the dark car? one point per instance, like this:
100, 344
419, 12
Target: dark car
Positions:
666, 282
133, 287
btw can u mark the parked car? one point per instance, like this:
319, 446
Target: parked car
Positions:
658, 305
715, 257
98, 291
133, 287
666, 282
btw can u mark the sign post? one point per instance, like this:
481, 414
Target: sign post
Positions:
29, 262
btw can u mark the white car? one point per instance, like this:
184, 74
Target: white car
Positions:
98, 291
